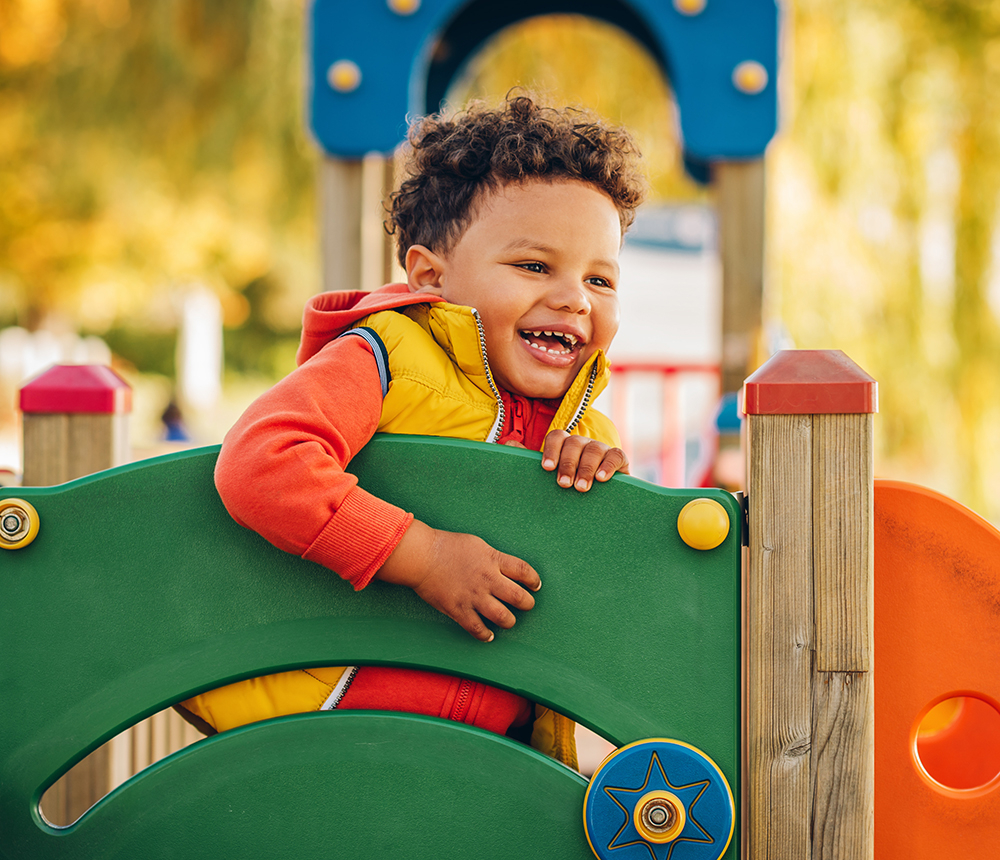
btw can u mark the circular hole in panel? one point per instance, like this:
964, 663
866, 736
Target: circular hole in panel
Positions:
958, 742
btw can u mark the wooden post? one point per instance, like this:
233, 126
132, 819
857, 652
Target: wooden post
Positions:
739, 187
357, 252
76, 422
809, 597
340, 223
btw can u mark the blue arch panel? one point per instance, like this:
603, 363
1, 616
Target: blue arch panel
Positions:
407, 60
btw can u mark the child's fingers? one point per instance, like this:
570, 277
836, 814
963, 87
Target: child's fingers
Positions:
552, 448
518, 570
493, 610
468, 619
614, 461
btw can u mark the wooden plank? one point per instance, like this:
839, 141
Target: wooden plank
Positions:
739, 187
843, 553
340, 237
843, 765
843, 761
46, 449
779, 637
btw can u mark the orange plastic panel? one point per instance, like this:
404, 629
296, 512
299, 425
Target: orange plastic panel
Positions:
937, 636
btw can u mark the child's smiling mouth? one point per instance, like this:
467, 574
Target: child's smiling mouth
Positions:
551, 342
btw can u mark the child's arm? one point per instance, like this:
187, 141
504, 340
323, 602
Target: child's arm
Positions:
281, 473
581, 460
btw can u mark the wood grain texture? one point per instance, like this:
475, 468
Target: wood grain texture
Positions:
46, 450
843, 765
779, 637
739, 188
843, 553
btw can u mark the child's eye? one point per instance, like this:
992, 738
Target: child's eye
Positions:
601, 282
531, 267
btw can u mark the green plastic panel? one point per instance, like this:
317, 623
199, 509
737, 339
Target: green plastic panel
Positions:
140, 591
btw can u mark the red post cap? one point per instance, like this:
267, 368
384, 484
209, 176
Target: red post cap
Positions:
77, 388
809, 382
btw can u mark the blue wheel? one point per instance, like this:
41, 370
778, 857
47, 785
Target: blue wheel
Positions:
658, 799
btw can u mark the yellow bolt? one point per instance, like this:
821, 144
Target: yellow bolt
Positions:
750, 77
18, 523
344, 76
690, 7
703, 524
659, 816
404, 7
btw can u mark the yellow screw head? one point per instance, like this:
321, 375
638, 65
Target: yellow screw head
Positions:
703, 524
750, 77
690, 7
18, 523
659, 816
404, 7
344, 76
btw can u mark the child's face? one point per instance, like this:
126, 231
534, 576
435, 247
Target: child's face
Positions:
539, 257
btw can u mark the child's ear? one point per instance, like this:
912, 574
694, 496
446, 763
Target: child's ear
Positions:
424, 270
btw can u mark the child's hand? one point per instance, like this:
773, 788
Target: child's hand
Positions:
580, 460
461, 576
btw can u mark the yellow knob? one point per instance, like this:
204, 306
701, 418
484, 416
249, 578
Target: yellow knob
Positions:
344, 76
703, 524
750, 77
18, 523
690, 7
404, 7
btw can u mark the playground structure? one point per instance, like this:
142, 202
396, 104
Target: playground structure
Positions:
664, 657
638, 635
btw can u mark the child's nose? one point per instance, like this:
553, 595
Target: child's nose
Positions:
570, 295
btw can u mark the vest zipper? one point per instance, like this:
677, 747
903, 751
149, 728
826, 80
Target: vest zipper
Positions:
516, 419
462, 699
585, 402
497, 427
340, 689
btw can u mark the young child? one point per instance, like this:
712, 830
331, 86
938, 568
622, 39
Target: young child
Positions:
509, 228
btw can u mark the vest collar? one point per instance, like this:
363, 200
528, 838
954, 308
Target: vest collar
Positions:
454, 329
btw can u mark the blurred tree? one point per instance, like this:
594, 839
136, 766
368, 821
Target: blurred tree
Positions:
880, 250
146, 145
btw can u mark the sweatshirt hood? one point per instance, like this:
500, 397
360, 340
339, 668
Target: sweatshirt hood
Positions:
329, 315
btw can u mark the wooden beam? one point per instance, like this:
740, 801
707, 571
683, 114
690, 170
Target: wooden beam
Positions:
739, 188
809, 597
340, 223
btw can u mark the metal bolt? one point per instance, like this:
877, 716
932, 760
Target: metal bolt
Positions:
18, 523
658, 815
12, 524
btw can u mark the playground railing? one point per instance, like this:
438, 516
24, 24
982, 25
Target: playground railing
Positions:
642, 640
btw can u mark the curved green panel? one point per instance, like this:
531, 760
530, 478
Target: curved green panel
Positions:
140, 590
344, 785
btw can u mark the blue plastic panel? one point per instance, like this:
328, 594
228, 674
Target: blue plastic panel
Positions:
406, 61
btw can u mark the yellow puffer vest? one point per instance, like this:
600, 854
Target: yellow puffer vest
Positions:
438, 382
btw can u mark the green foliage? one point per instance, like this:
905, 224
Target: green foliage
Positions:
146, 145
890, 159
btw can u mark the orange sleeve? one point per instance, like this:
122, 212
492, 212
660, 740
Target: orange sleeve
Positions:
281, 468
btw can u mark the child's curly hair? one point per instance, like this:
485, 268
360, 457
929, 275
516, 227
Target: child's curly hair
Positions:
453, 161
